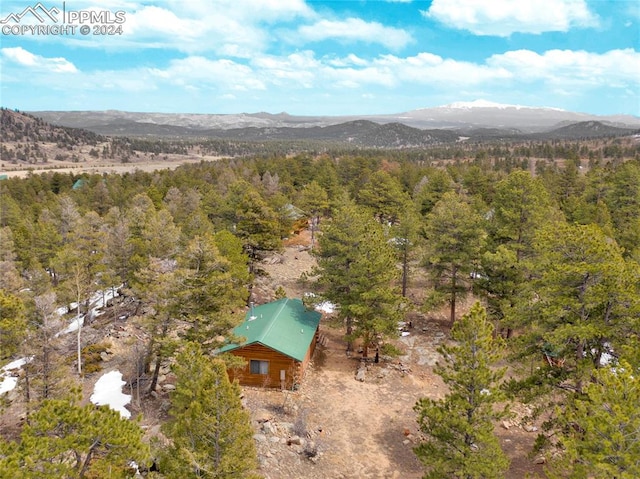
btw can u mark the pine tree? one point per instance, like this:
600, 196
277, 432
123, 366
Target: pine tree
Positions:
208, 295
65, 440
520, 207
158, 287
210, 431
460, 441
455, 238
582, 300
315, 201
600, 429
357, 268
254, 221
383, 194
13, 324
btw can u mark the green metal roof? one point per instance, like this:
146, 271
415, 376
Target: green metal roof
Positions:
284, 325
80, 182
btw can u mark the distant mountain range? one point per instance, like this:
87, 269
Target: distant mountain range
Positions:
476, 120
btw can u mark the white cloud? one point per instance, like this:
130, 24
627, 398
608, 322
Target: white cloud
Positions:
23, 57
568, 67
233, 28
200, 71
297, 67
504, 17
355, 29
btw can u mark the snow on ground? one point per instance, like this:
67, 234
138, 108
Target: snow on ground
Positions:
108, 391
97, 301
326, 307
7, 381
8, 384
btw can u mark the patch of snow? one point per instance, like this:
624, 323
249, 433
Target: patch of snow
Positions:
8, 382
97, 301
108, 391
606, 359
73, 326
405, 333
18, 363
326, 307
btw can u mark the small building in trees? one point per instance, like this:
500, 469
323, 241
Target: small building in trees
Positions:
279, 339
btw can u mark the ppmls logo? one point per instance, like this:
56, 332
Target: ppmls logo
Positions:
39, 12
56, 21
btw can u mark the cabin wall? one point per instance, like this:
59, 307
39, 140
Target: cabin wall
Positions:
277, 363
309, 355
294, 370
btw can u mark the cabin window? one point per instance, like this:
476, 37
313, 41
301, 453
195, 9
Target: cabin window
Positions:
259, 367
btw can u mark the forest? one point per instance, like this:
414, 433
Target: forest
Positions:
544, 237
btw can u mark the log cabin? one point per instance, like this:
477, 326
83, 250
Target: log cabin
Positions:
277, 342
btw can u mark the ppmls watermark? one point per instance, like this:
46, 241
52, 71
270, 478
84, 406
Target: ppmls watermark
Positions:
39, 20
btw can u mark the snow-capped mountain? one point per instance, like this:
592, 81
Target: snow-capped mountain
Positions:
490, 104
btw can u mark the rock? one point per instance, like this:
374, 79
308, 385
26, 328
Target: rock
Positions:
260, 437
360, 375
530, 428
540, 460
274, 439
286, 426
294, 440
406, 441
168, 387
268, 428
104, 356
506, 425
406, 431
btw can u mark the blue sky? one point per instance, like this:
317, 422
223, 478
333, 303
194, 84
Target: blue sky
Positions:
337, 57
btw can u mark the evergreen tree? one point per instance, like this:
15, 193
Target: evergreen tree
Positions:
455, 237
383, 194
623, 200
521, 206
210, 431
44, 374
430, 189
10, 279
254, 221
65, 440
13, 324
208, 296
230, 247
582, 299
158, 286
357, 268
600, 429
314, 200
460, 440
405, 236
